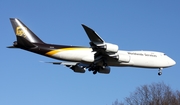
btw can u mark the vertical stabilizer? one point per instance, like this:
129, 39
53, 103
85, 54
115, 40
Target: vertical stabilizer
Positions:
23, 32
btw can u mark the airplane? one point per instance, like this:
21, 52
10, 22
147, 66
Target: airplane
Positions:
97, 58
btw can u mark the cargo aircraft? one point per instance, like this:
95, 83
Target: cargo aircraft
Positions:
97, 58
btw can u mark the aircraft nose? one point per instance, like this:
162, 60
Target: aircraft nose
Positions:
171, 62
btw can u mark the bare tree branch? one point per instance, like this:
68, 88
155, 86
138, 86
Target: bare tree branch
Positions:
154, 94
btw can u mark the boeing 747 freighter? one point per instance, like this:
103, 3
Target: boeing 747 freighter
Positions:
97, 58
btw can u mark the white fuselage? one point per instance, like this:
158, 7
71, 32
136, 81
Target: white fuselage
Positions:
145, 59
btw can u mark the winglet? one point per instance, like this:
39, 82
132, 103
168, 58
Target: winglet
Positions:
93, 36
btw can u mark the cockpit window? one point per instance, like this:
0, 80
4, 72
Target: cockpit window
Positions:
164, 54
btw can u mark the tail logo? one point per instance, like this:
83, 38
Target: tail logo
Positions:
20, 31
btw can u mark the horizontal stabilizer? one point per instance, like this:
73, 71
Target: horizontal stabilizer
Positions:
11, 47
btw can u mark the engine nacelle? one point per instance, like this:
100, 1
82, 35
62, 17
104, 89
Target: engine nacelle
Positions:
105, 70
78, 69
123, 56
108, 47
111, 47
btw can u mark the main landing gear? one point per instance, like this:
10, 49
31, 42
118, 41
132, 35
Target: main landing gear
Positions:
93, 68
95, 72
96, 68
160, 71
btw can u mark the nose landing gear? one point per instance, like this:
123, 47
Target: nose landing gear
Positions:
160, 71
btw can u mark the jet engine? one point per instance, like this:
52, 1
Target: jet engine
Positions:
111, 47
108, 47
121, 56
78, 69
105, 70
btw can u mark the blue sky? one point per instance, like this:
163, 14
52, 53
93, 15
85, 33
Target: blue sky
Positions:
133, 25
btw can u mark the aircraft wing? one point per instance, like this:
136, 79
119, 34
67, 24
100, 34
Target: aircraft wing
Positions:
64, 63
105, 52
93, 36
98, 44
75, 66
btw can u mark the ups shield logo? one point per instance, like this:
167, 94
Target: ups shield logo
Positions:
20, 31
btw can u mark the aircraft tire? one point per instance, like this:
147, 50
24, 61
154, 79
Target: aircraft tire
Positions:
160, 73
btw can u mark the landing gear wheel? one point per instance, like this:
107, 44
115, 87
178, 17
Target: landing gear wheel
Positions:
90, 69
160, 73
95, 72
